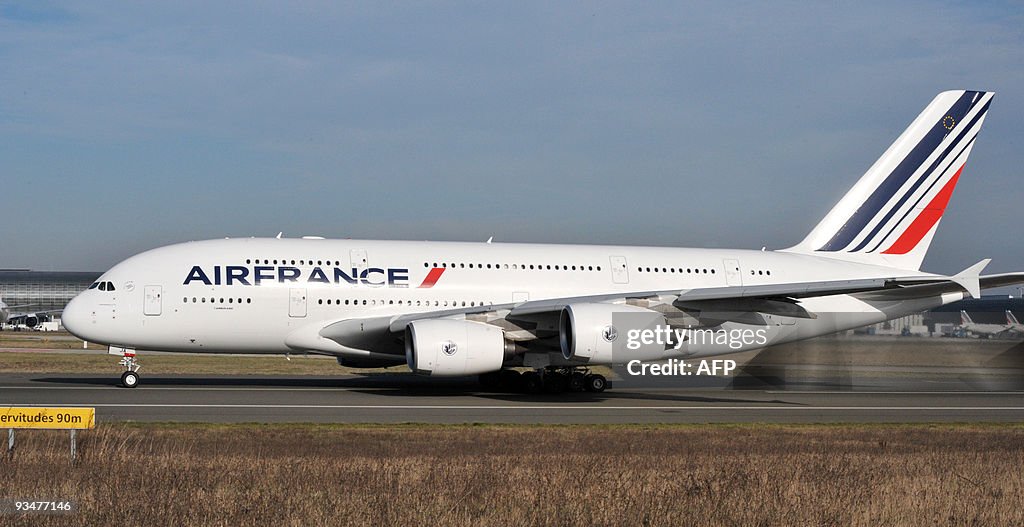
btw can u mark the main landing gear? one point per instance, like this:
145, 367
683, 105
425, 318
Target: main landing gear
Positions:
553, 379
130, 377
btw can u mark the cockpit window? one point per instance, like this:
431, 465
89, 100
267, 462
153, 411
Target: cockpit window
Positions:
103, 286
110, 286
94, 285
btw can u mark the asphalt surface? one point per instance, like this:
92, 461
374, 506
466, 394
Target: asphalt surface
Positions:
401, 398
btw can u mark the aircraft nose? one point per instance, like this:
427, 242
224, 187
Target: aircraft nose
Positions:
75, 317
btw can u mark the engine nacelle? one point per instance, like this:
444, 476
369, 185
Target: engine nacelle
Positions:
596, 333
450, 348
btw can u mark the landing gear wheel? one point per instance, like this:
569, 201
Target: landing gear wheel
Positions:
596, 383
129, 379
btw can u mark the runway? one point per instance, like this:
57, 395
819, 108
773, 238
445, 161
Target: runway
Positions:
400, 398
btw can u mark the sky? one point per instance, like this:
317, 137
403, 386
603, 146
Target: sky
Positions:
130, 125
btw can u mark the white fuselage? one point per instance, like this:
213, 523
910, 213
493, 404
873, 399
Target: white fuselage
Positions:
250, 295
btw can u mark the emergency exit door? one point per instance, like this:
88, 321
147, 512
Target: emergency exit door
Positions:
297, 303
733, 276
359, 261
153, 303
620, 272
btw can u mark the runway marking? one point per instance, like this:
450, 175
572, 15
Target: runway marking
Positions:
544, 407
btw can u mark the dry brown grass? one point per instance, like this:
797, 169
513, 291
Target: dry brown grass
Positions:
494, 475
40, 340
191, 363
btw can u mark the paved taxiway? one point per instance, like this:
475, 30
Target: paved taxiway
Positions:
399, 398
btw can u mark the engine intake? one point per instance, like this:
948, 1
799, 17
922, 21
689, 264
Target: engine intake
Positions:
593, 333
451, 348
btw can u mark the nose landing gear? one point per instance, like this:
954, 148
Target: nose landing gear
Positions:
130, 377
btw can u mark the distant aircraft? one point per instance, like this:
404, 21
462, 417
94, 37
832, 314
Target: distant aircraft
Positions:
457, 309
1015, 326
982, 330
29, 319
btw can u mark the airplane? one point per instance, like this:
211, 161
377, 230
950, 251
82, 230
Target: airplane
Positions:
1014, 325
983, 330
29, 319
462, 309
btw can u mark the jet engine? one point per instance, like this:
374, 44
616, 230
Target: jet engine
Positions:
609, 333
450, 348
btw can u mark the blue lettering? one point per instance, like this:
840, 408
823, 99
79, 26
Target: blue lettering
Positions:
317, 275
243, 275
197, 274
396, 275
340, 275
287, 274
260, 273
365, 276
239, 273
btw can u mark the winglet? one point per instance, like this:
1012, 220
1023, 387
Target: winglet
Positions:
969, 278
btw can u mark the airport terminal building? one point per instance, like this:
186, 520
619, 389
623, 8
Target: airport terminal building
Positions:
42, 290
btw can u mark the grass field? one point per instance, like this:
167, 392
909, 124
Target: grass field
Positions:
42, 362
493, 475
35, 340
32, 357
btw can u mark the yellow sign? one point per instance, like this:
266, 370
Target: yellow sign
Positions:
40, 417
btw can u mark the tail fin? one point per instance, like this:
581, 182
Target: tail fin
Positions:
965, 318
1011, 318
890, 216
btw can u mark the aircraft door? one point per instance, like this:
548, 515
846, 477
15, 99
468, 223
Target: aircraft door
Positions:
359, 261
732, 272
152, 300
620, 273
297, 303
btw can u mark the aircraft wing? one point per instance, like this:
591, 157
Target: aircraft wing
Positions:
1000, 280
33, 313
717, 302
791, 291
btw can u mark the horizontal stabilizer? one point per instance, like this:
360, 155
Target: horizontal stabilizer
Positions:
970, 278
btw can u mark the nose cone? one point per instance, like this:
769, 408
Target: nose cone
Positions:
75, 317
